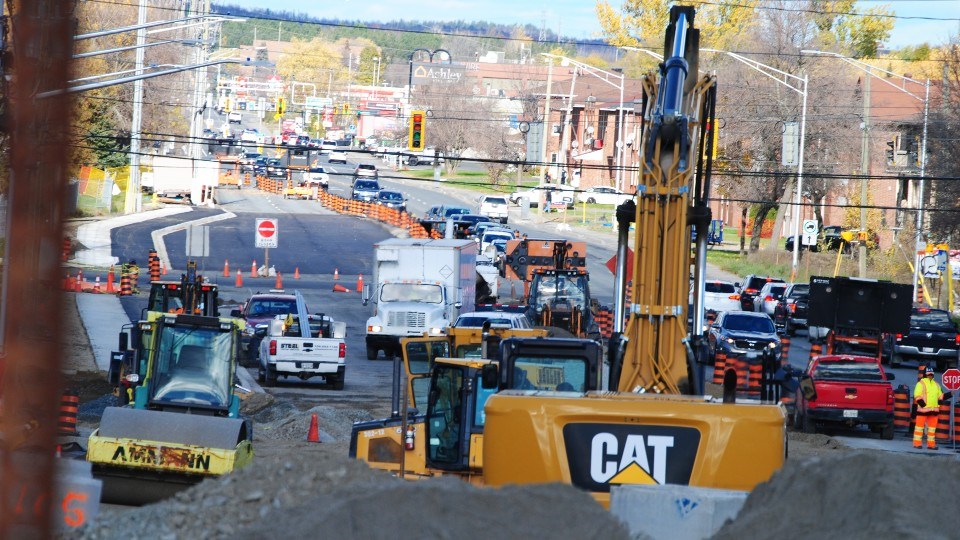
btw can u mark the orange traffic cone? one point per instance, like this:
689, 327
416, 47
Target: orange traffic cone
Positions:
253, 269
314, 434
336, 274
360, 283
279, 283
239, 282
226, 268
78, 287
339, 288
111, 289
96, 285
296, 273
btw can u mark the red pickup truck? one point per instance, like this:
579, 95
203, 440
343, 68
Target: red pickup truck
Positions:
845, 390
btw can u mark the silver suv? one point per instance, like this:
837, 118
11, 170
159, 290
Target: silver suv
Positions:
365, 189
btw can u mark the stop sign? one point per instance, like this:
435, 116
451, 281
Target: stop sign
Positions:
266, 229
951, 379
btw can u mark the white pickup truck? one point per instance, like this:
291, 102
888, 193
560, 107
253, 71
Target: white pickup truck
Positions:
284, 352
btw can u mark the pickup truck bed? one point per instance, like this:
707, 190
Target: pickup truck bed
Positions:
845, 390
283, 353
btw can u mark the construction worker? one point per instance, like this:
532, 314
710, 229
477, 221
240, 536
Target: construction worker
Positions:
927, 395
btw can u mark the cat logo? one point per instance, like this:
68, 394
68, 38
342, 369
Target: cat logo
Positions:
601, 455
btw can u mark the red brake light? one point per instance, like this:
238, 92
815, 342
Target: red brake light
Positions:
734, 297
956, 339
890, 397
343, 350
793, 308
273, 346
899, 337
751, 291
768, 298
923, 310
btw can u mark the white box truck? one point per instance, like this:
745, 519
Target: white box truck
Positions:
418, 286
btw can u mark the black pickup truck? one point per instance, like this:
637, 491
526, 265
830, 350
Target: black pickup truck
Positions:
791, 311
932, 339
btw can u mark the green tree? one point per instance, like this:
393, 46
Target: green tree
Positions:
370, 62
641, 23
860, 32
310, 61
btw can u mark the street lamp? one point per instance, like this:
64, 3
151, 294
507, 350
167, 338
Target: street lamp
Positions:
792, 82
869, 70
609, 78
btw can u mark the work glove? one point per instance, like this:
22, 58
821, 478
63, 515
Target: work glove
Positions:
921, 403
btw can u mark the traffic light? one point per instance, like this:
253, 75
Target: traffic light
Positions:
415, 140
281, 105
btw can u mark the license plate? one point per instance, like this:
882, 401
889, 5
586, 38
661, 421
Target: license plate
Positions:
927, 349
849, 413
752, 355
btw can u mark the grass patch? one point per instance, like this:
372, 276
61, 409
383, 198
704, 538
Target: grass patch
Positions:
880, 264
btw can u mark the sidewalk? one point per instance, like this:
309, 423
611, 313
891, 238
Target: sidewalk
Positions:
102, 317
95, 237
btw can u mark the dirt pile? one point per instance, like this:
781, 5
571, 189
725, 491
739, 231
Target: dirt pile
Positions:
307, 492
852, 495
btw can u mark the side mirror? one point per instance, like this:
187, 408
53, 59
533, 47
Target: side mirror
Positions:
124, 343
365, 295
489, 377
737, 284
807, 389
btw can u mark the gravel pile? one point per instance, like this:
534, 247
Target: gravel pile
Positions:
852, 495
307, 491
92, 410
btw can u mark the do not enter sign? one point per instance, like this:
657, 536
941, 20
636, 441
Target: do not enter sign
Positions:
951, 379
265, 234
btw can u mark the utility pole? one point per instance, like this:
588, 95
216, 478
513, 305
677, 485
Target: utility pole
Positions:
134, 200
864, 173
545, 126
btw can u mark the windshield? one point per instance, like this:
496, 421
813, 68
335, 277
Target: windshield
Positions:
390, 196
495, 200
491, 236
561, 292
477, 321
269, 307
367, 186
748, 324
847, 370
931, 319
455, 211
544, 373
758, 282
192, 366
411, 292
800, 290
777, 292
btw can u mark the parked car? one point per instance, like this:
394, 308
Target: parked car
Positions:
318, 176
769, 296
498, 319
337, 156
603, 195
392, 199
744, 334
234, 118
933, 338
845, 390
791, 310
365, 189
558, 193
750, 288
366, 169
494, 207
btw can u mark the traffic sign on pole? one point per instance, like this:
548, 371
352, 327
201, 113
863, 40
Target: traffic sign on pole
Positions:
951, 379
266, 233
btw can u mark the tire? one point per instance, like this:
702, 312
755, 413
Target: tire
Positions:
260, 376
886, 432
336, 382
591, 200
372, 353
270, 378
413, 161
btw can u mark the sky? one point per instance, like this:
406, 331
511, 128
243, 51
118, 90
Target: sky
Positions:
577, 18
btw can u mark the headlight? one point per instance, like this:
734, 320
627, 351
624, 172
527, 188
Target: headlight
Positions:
374, 328
436, 331
729, 340
772, 344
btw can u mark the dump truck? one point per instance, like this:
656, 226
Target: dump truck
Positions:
183, 424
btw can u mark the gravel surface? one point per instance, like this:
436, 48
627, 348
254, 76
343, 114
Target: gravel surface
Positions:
852, 495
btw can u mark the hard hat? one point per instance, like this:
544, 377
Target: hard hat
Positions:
928, 371
922, 368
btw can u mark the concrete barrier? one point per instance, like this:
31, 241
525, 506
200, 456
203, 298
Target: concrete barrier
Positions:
673, 511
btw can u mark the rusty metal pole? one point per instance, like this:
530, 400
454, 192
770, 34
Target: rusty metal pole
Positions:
42, 44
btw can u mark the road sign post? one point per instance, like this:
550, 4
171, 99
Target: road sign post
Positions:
266, 233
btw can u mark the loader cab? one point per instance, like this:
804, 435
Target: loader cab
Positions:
561, 298
173, 296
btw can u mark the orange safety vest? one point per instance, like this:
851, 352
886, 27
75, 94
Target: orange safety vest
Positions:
929, 391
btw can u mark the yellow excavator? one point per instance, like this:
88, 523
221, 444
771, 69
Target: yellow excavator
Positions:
448, 380
183, 423
654, 426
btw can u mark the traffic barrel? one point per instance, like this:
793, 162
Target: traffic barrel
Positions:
901, 409
784, 350
65, 249
154, 265
956, 424
67, 420
943, 423
719, 366
815, 350
126, 286
755, 375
